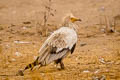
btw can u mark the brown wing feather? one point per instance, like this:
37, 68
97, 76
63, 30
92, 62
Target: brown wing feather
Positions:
49, 52
58, 41
52, 57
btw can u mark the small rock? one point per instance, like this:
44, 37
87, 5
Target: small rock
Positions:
107, 70
95, 78
83, 44
76, 59
18, 54
102, 8
59, 74
13, 59
78, 63
7, 46
24, 28
86, 71
99, 78
96, 71
110, 62
102, 60
117, 63
21, 42
102, 30
27, 22
103, 77
42, 74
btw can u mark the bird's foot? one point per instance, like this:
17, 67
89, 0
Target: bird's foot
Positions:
62, 65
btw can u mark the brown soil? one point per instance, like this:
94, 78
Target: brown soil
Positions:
97, 54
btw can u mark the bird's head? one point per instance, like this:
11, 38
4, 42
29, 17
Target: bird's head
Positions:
68, 21
71, 18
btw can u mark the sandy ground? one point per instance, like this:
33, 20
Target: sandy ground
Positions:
96, 54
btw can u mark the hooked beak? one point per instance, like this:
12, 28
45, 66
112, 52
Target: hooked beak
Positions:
79, 20
75, 19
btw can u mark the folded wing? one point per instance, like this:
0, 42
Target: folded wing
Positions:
55, 47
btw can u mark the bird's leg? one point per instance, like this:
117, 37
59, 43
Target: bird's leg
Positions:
56, 63
62, 65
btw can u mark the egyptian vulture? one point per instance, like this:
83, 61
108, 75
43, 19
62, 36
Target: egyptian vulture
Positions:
58, 45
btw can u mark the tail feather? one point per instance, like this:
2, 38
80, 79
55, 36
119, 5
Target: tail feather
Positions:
32, 65
46, 58
39, 61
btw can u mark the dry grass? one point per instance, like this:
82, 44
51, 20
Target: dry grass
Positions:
1, 28
29, 21
0, 49
85, 58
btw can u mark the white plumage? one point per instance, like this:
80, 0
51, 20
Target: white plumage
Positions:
58, 44
63, 38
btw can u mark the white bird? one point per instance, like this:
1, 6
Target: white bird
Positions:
58, 44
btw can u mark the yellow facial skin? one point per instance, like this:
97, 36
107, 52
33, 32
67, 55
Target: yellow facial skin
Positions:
74, 19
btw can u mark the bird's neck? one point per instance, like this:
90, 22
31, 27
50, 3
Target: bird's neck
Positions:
73, 26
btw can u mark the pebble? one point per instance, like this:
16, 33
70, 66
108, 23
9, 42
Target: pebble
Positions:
102, 60
18, 54
13, 59
86, 71
24, 28
83, 44
42, 74
96, 71
21, 42
99, 78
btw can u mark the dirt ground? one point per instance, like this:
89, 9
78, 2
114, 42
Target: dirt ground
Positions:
97, 55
